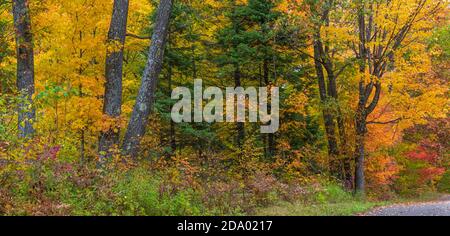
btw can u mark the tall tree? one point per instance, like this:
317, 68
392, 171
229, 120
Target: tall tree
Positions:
235, 52
179, 60
237, 74
25, 66
146, 95
380, 36
113, 74
327, 73
262, 14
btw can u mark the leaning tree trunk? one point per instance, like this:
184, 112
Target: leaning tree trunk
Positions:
146, 95
113, 73
25, 66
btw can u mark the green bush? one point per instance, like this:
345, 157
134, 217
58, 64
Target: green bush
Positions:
444, 183
52, 190
332, 193
143, 194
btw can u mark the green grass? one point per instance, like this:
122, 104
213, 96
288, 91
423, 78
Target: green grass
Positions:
336, 202
347, 208
330, 201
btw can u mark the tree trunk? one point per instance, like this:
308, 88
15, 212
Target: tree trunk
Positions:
345, 152
146, 95
25, 67
113, 74
361, 114
360, 123
330, 124
270, 137
342, 165
240, 127
376, 66
173, 143
340, 161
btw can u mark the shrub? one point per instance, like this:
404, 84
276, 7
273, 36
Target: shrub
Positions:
444, 183
332, 193
140, 193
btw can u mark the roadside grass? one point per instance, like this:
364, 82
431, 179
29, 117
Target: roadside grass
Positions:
348, 208
424, 197
337, 202
421, 198
333, 200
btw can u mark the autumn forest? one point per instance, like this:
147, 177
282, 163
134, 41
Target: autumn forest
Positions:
360, 95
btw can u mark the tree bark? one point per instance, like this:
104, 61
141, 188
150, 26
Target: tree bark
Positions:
25, 67
145, 99
113, 74
361, 129
240, 126
342, 164
330, 125
328, 93
271, 146
360, 115
173, 142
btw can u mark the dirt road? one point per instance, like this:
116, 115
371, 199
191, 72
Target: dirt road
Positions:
436, 208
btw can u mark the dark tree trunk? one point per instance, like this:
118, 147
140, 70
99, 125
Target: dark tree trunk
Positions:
146, 95
25, 67
362, 113
345, 152
347, 157
360, 117
321, 61
240, 127
113, 73
330, 124
343, 163
173, 143
340, 168
340, 157
360, 124
270, 137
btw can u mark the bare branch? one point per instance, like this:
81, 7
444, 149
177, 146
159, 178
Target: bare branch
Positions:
384, 122
375, 100
138, 36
